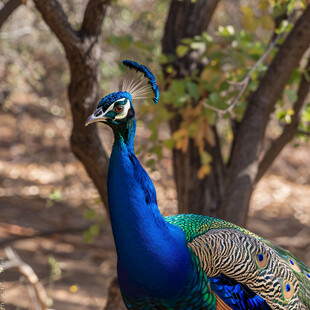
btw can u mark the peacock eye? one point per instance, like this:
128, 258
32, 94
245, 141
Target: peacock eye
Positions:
119, 108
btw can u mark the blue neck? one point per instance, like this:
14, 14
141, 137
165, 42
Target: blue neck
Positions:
152, 254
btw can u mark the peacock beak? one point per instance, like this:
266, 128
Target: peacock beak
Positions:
97, 116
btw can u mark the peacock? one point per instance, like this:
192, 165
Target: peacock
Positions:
184, 261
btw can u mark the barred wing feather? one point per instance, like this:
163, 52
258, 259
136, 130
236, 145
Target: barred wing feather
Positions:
230, 255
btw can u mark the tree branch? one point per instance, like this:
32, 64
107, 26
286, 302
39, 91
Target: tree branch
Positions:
14, 261
8, 9
245, 158
57, 20
289, 130
246, 80
93, 17
83, 53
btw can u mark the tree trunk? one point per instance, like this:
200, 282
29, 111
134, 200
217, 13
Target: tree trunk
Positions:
245, 161
85, 142
226, 191
197, 196
203, 196
115, 300
83, 52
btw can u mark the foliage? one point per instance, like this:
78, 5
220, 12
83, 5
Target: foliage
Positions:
230, 53
199, 99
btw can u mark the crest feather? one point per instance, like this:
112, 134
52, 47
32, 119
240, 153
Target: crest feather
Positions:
139, 81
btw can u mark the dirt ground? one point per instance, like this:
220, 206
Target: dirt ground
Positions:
44, 189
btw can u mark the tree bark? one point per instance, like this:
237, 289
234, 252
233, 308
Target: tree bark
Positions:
185, 20
83, 52
244, 166
115, 300
8, 9
290, 129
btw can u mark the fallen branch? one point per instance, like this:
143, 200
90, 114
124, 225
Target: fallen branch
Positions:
14, 261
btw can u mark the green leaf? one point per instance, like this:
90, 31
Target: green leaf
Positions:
205, 158
226, 31
246, 10
267, 22
193, 90
187, 41
150, 163
303, 4
163, 59
177, 87
285, 27
290, 6
206, 37
154, 136
169, 69
56, 195
224, 86
192, 129
90, 214
88, 238
263, 4
281, 115
169, 143
288, 118
250, 23
157, 149
182, 50
94, 229
141, 45
214, 97
197, 45
291, 94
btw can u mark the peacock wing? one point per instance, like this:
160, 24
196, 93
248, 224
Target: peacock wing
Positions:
224, 249
301, 271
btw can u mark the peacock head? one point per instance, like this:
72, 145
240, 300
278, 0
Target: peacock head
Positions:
116, 109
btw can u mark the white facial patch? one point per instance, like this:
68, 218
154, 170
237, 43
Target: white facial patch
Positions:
125, 110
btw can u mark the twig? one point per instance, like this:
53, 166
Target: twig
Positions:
14, 261
303, 132
245, 82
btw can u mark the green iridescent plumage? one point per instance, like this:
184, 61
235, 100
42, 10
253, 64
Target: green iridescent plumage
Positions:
224, 248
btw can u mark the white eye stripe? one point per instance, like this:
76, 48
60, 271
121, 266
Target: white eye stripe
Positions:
125, 111
111, 107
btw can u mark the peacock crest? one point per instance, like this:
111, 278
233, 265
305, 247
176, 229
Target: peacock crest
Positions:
139, 81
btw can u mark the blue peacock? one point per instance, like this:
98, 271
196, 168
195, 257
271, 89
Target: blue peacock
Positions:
184, 261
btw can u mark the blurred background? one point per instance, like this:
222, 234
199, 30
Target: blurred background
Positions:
51, 213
